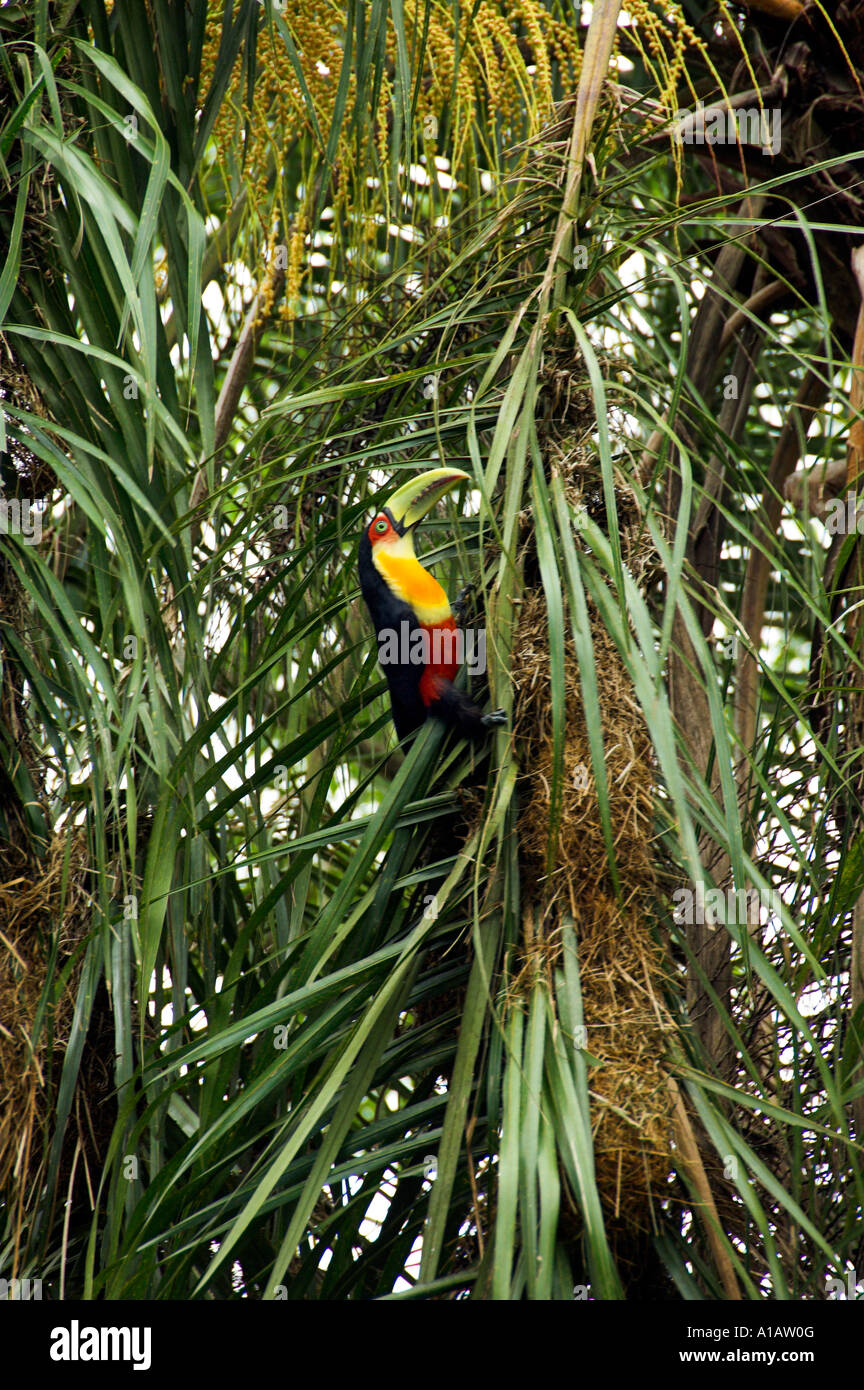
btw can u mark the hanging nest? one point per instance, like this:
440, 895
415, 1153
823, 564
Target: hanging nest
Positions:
44, 918
39, 900
622, 968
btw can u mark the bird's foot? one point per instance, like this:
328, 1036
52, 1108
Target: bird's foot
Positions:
494, 719
460, 604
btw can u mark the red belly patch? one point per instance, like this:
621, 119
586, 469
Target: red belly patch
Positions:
443, 663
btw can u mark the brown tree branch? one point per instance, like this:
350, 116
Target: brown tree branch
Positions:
688, 697
752, 307
789, 448
778, 9
238, 370
690, 1161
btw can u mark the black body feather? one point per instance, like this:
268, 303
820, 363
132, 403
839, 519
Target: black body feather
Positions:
388, 612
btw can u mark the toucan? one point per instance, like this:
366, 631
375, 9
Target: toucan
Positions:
418, 639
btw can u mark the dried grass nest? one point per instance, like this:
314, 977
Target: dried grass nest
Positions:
33, 899
621, 965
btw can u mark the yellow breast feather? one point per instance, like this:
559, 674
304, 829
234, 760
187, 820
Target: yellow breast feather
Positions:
409, 581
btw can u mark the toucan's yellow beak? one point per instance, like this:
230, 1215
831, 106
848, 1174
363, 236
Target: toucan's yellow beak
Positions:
413, 500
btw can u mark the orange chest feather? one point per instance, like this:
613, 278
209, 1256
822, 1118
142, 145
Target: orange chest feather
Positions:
408, 580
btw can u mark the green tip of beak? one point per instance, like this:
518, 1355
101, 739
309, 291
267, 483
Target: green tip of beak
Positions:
413, 500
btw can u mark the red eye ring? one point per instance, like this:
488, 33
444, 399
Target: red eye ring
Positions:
382, 525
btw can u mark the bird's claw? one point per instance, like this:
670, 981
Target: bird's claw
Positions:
460, 604
494, 719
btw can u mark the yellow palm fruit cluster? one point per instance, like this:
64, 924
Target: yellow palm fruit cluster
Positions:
497, 75
294, 272
279, 111
661, 36
506, 50
266, 299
